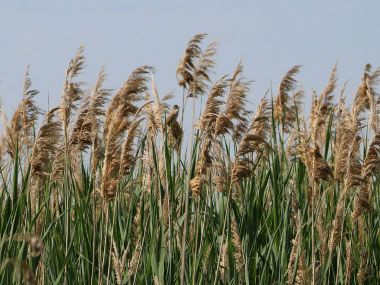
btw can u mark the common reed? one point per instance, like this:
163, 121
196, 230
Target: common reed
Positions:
117, 188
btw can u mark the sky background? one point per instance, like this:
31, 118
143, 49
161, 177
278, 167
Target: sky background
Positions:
269, 36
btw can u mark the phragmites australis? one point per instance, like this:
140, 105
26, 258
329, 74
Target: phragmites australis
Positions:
87, 129
195, 65
89, 120
345, 130
254, 140
371, 167
119, 263
202, 165
352, 179
43, 152
319, 167
127, 153
235, 106
237, 246
284, 111
20, 131
212, 107
154, 112
201, 75
322, 108
29, 110
72, 91
197, 203
186, 65
366, 97
120, 115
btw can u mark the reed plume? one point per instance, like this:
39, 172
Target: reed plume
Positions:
220, 168
43, 152
254, 140
212, 107
186, 65
201, 76
347, 274
297, 272
201, 168
371, 167
87, 130
352, 179
127, 154
366, 97
119, 262
238, 249
20, 132
119, 118
72, 91
319, 167
91, 115
283, 112
235, 106
322, 108
345, 131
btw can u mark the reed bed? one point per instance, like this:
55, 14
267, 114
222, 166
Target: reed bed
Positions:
110, 189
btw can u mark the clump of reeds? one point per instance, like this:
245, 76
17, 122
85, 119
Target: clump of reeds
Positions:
116, 188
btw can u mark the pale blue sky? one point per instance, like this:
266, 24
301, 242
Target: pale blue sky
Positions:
270, 37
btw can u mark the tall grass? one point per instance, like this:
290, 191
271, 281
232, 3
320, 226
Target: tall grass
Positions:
118, 193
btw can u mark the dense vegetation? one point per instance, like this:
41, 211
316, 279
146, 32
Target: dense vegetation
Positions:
116, 192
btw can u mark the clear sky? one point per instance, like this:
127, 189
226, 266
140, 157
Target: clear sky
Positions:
270, 37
